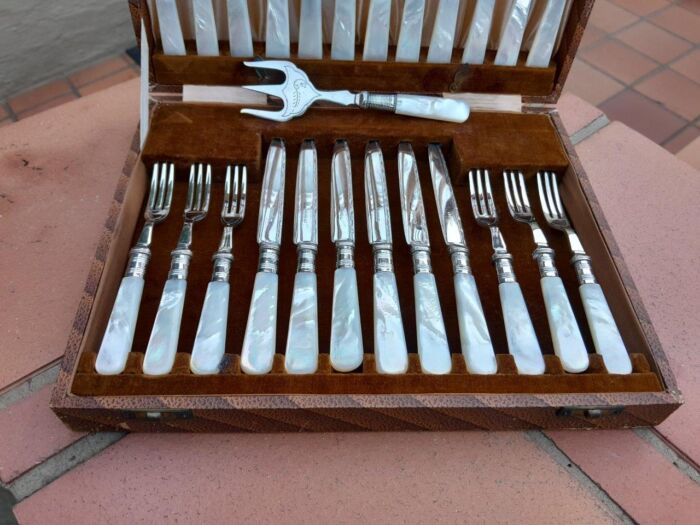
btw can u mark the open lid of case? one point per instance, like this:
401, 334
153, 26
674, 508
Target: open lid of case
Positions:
536, 85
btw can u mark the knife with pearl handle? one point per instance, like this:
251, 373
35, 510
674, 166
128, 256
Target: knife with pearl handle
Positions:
205, 28
478, 38
343, 40
277, 29
240, 36
170, 29
346, 348
390, 352
301, 354
512, 34
477, 348
433, 349
377, 31
310, 34
259, 342
443, 36
408, 47
543, 45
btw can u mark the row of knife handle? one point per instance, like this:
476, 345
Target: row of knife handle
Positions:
376, 44
346, 346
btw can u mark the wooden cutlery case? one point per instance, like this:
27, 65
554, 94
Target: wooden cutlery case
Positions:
530, 140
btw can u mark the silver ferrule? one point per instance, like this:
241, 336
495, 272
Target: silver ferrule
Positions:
345, 255
383, 101
268, 261
504, 267
545, 262
460, 261
584, 270
138, 261
222, 266
306, 258
383, 258
179, 264
421, 260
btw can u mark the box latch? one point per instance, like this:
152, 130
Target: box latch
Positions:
590, 412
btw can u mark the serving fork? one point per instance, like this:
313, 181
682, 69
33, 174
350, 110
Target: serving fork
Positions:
119, 336
162, 345
606, 336
522, 340
210, 340
566, 336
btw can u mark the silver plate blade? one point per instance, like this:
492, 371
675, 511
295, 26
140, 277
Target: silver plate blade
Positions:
342, 207
272, 195
415, 225
448, 212
376, 196
306, 196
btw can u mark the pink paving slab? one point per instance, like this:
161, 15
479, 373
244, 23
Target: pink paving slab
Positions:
59, 171
575, 112
451, 477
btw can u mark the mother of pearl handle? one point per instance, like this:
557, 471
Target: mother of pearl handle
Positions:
346, 333
301, 354
436, 108
390, 352
433, 350
477, 348
606, 337
205, 28
261, 330
162, 346
566, 336
170, 29
119, 336
210, 341
522, 340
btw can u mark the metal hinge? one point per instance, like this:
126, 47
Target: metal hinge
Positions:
590, 412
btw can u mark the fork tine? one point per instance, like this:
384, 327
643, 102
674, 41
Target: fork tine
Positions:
234, 204
279, 65
270, 115
543, 200
190, 188
472, 194
171, 183
516, 193
480, 194
207, 190
550, 198
557, 200
152, 193
227, 193
244, 187
509, 197
162, 185
199, 187
274, 90
523, 193
489, 195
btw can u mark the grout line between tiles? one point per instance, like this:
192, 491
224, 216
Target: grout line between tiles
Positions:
549, 447
27, 387
589, 129
686, 466
61, 463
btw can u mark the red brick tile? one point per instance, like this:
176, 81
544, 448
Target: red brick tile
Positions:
689, 66
682, 139
609, 17
653, 41
619, 61
38, 96
447, 478
649, 198
675, 91
59, 171
6, 122
108, 81
691, 5
691, 153
575, 112
643, 115
54, 102
634, 474
642, 7
680, 21
30, 433
98, 71
590, 84
592, 35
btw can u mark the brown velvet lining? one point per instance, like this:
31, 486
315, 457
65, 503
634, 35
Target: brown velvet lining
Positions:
220, 134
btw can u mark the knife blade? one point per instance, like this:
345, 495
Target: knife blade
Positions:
512, 34
346, 349
301, 355
475, 339
391, 354
433, 348
259, 341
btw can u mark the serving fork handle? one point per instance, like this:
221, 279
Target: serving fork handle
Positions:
421, 106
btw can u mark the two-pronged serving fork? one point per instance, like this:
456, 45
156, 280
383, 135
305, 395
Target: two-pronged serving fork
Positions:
522, 340
162, 346
606, 336
566, 336
119, 335
210, 341
298, 93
